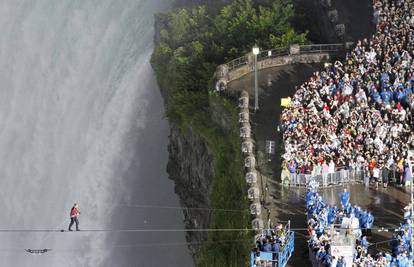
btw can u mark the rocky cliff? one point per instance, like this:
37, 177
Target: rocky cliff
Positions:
190, 166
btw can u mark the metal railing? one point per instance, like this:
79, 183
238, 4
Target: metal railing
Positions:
341, 176
322, 48
285, 51
277, 52
287, 252
237, 63
278, 259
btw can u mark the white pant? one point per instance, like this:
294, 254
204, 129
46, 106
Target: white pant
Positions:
293, 178
325, 179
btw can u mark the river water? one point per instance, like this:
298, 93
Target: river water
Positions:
81, 120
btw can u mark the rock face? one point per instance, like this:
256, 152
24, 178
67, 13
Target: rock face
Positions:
190, 166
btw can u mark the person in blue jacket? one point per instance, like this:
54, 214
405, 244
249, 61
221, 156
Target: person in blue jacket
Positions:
385, 77
276, 247
309, 196
364, 244
332, 214
267, 247
370, 220
348, 209
363, 219
402, 260
400, 95
341, 262
375, 96
344, 197
321, 254
386, 96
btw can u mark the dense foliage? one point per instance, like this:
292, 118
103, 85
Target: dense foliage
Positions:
193, 42
190, 43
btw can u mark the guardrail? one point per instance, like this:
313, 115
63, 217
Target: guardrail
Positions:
285, 51
287, 251
276, 259
321, 48
241, 66
339, 177
238, 62
273, 53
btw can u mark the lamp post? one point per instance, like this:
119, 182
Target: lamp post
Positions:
256, 51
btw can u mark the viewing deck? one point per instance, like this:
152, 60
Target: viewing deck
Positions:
276, 259
314, 53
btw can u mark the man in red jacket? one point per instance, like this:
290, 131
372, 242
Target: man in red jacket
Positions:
74, 213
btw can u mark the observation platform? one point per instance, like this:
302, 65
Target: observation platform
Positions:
276, 259
294, 54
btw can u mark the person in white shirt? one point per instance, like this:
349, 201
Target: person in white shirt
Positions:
376, 175
331, 170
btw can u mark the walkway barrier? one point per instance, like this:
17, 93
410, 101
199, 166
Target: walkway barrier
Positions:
294, 53
287, 252
321, 48
238, 62
272, 259
341, 176
285, 51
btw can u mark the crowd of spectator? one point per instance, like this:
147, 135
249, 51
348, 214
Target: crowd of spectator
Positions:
359, 113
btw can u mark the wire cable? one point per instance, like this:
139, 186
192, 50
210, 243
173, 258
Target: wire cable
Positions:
182, 208
123, 230
179, 230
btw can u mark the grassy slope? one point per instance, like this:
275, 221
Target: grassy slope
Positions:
228, 184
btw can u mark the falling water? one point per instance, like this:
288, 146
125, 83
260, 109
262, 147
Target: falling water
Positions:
81, 120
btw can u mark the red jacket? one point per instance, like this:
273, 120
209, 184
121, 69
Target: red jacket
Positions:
74, 212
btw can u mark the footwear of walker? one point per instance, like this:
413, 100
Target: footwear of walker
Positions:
77, 229
70, 230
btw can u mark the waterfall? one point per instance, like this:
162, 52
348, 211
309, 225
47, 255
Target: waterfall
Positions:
81, 120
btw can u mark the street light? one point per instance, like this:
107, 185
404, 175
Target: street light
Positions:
256, 51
